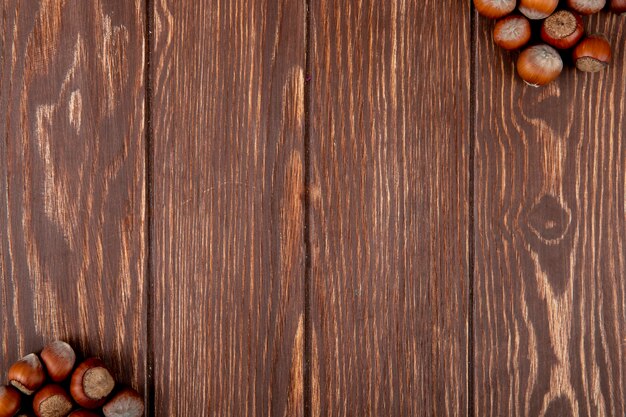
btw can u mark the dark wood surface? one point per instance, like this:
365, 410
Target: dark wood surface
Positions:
389, 136
228, 219
550, 216
72, 193
312, 208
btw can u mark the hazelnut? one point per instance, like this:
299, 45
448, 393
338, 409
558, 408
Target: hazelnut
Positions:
27, 374
59, 358
592, 54
126, 403
10, 401
52, 401
91, 383
539, 65
537, 9
586, 6
563, 29
495, 9
512, 32
618, 6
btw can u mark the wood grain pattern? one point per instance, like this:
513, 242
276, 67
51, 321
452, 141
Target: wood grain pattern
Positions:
228, 198
72, 189
390, 106
550, 186
376, 135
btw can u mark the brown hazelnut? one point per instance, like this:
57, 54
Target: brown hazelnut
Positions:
495, 9
586, 6
563, 29
126, 403
52, 401
537, 9
10, 401
91, 383
27, 374
618, 6
539, 65
59, 358
592, 54
512, 32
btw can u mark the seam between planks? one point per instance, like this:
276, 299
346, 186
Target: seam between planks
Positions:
149, 281
471, 408
307, 219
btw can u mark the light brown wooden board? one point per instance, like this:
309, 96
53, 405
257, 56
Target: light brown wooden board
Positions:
72, 194
550, 272
228, 207
389, 192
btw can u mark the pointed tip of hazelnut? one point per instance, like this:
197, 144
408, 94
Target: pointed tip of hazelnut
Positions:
61, 349
531, 84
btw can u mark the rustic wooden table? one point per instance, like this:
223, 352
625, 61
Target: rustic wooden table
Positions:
312, 208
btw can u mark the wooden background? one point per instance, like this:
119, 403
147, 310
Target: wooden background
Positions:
312, 208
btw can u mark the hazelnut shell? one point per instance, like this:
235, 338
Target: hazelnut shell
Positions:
537, 9
563, 29
91, 384
586, 7
126, 403
10, 401
495, 9
539, 65
27, 374
592, 54
52, 401
59, 358
618, 6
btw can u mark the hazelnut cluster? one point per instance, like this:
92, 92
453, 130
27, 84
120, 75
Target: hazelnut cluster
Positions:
561, 31
50, 385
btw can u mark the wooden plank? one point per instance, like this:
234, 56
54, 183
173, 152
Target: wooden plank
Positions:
72, 189
390, 106
550, 184
228, 119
